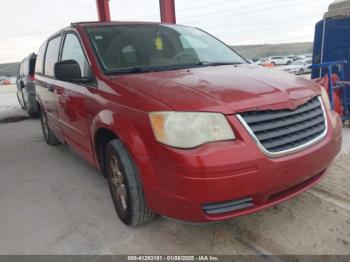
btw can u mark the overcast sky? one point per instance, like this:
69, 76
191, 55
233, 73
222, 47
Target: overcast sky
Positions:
25, 24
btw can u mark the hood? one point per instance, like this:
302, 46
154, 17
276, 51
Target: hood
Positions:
226, 89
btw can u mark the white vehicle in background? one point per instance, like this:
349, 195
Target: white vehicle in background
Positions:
280, 60
295, 57
299, 67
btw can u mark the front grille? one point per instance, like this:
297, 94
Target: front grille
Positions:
224, 207
286, 130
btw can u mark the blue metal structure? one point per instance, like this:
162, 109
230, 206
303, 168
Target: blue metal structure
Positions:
343, 85
331, 53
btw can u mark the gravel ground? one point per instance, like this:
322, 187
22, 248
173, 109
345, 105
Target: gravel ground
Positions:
53, 202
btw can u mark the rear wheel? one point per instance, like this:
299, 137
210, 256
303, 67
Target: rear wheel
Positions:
289, 62
32, 114
125, 186
19, 101
49, 136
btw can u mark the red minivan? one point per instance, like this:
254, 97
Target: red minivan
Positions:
180, 124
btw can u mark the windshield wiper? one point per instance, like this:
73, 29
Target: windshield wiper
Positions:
130, 70
207, 63
140, 69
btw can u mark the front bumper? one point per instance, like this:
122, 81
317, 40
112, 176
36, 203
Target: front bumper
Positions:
186, 180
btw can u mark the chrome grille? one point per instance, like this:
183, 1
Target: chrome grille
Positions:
279, 132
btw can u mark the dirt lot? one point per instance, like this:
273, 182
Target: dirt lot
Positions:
53, 202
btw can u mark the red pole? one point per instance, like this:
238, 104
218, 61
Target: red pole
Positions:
167, 11
103, 10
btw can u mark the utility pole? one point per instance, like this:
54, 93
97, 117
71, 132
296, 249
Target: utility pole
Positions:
103, 10
167, 11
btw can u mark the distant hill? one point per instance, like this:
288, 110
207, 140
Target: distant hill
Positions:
261, 51
9, 69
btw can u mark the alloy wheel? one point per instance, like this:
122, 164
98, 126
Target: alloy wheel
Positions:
118, 183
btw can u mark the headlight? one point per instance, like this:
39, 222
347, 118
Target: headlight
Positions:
188, 130
325, 99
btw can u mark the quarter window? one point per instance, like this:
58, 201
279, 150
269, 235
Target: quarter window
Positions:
51, 57
72, 51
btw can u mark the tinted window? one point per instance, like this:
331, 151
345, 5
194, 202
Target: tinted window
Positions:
25, 67
51, 56
40, 59
72, 51
32, 65
21, 69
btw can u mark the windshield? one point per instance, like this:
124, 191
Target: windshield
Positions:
142, 48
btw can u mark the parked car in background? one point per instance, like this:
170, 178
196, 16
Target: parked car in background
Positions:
265, 63
5, 82
307, 55
299, 67
181, 124
25, 85
294, 57
280, 60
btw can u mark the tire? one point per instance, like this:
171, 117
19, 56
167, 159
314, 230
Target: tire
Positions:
19, 101
273, 63
289, 62
301, 72
49, 136
32, 114
125, 186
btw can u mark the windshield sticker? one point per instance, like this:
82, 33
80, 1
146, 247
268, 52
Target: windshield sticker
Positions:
159, 43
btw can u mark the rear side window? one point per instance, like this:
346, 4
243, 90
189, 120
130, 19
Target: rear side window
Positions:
21, 69
40, 59
51, 56
25, 69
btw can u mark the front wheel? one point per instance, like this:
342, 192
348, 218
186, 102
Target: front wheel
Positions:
289, 62
49, 136
301, 72
125, 186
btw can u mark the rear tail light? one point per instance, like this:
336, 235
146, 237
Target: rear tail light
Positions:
32, 77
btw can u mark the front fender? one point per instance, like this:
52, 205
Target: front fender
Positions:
122, 128
128, 133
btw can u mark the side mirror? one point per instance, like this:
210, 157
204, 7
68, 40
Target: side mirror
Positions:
69, 71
